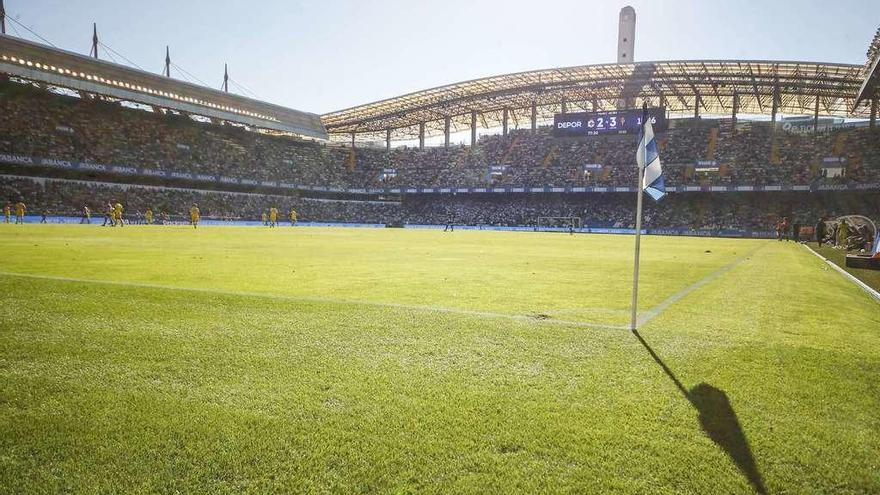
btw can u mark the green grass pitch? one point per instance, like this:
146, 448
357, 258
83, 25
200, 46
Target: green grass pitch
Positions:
870, 277
230, 360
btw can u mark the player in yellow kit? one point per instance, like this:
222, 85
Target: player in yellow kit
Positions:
264, 218
108, 215
194, 215
20, 209
273, 216
292, 217
7, 212
148, 216
117, 214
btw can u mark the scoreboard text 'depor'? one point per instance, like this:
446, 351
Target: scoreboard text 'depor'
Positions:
613, 122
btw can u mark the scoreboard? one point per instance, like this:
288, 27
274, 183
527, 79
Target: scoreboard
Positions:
614, 122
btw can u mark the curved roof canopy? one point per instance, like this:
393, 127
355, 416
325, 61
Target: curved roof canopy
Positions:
871, 87
678, 85
61, 68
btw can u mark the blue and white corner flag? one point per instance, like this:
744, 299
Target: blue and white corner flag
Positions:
648, 158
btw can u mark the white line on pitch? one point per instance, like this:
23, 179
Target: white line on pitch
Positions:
411, 307
849, 276
674, 298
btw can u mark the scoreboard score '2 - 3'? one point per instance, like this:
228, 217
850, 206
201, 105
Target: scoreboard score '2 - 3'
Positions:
613, 122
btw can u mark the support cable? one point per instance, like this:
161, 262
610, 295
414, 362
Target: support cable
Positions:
244, 88
109, 54
13, 19
185, 72
17, 32
123, 57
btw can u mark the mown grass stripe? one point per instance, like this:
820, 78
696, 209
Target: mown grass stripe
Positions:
320, 300
678, 296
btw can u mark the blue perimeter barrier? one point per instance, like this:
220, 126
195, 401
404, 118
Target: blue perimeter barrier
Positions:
731, 233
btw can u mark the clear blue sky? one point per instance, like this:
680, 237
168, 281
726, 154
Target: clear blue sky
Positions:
326, 55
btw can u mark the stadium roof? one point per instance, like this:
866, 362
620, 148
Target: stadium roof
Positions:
871, 87
55, 67
677, 84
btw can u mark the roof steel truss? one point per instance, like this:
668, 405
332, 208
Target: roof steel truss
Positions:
679, 83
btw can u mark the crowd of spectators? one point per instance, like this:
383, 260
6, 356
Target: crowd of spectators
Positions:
689, 211
65, 197
692, 211
39, 123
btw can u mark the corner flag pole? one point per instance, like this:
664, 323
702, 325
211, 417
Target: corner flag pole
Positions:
635, 290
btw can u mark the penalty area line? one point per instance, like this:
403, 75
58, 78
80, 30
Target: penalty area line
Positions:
321, 300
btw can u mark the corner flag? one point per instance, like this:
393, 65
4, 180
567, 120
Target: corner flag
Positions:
648, 159
650, 181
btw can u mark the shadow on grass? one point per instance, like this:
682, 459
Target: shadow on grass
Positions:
718, 420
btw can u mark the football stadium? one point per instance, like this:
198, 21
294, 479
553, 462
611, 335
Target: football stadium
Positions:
630, 277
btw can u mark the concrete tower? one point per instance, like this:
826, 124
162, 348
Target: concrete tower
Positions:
626, 35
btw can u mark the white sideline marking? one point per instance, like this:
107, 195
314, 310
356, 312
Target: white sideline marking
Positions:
412, 307
871, 292
674, 298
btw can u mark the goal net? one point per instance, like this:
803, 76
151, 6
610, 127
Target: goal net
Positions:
558, 223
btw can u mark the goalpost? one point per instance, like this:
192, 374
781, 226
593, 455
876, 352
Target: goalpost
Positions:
557, 223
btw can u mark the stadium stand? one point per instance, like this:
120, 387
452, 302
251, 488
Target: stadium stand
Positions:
84, 131
69, 128
66, 197
755, 212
